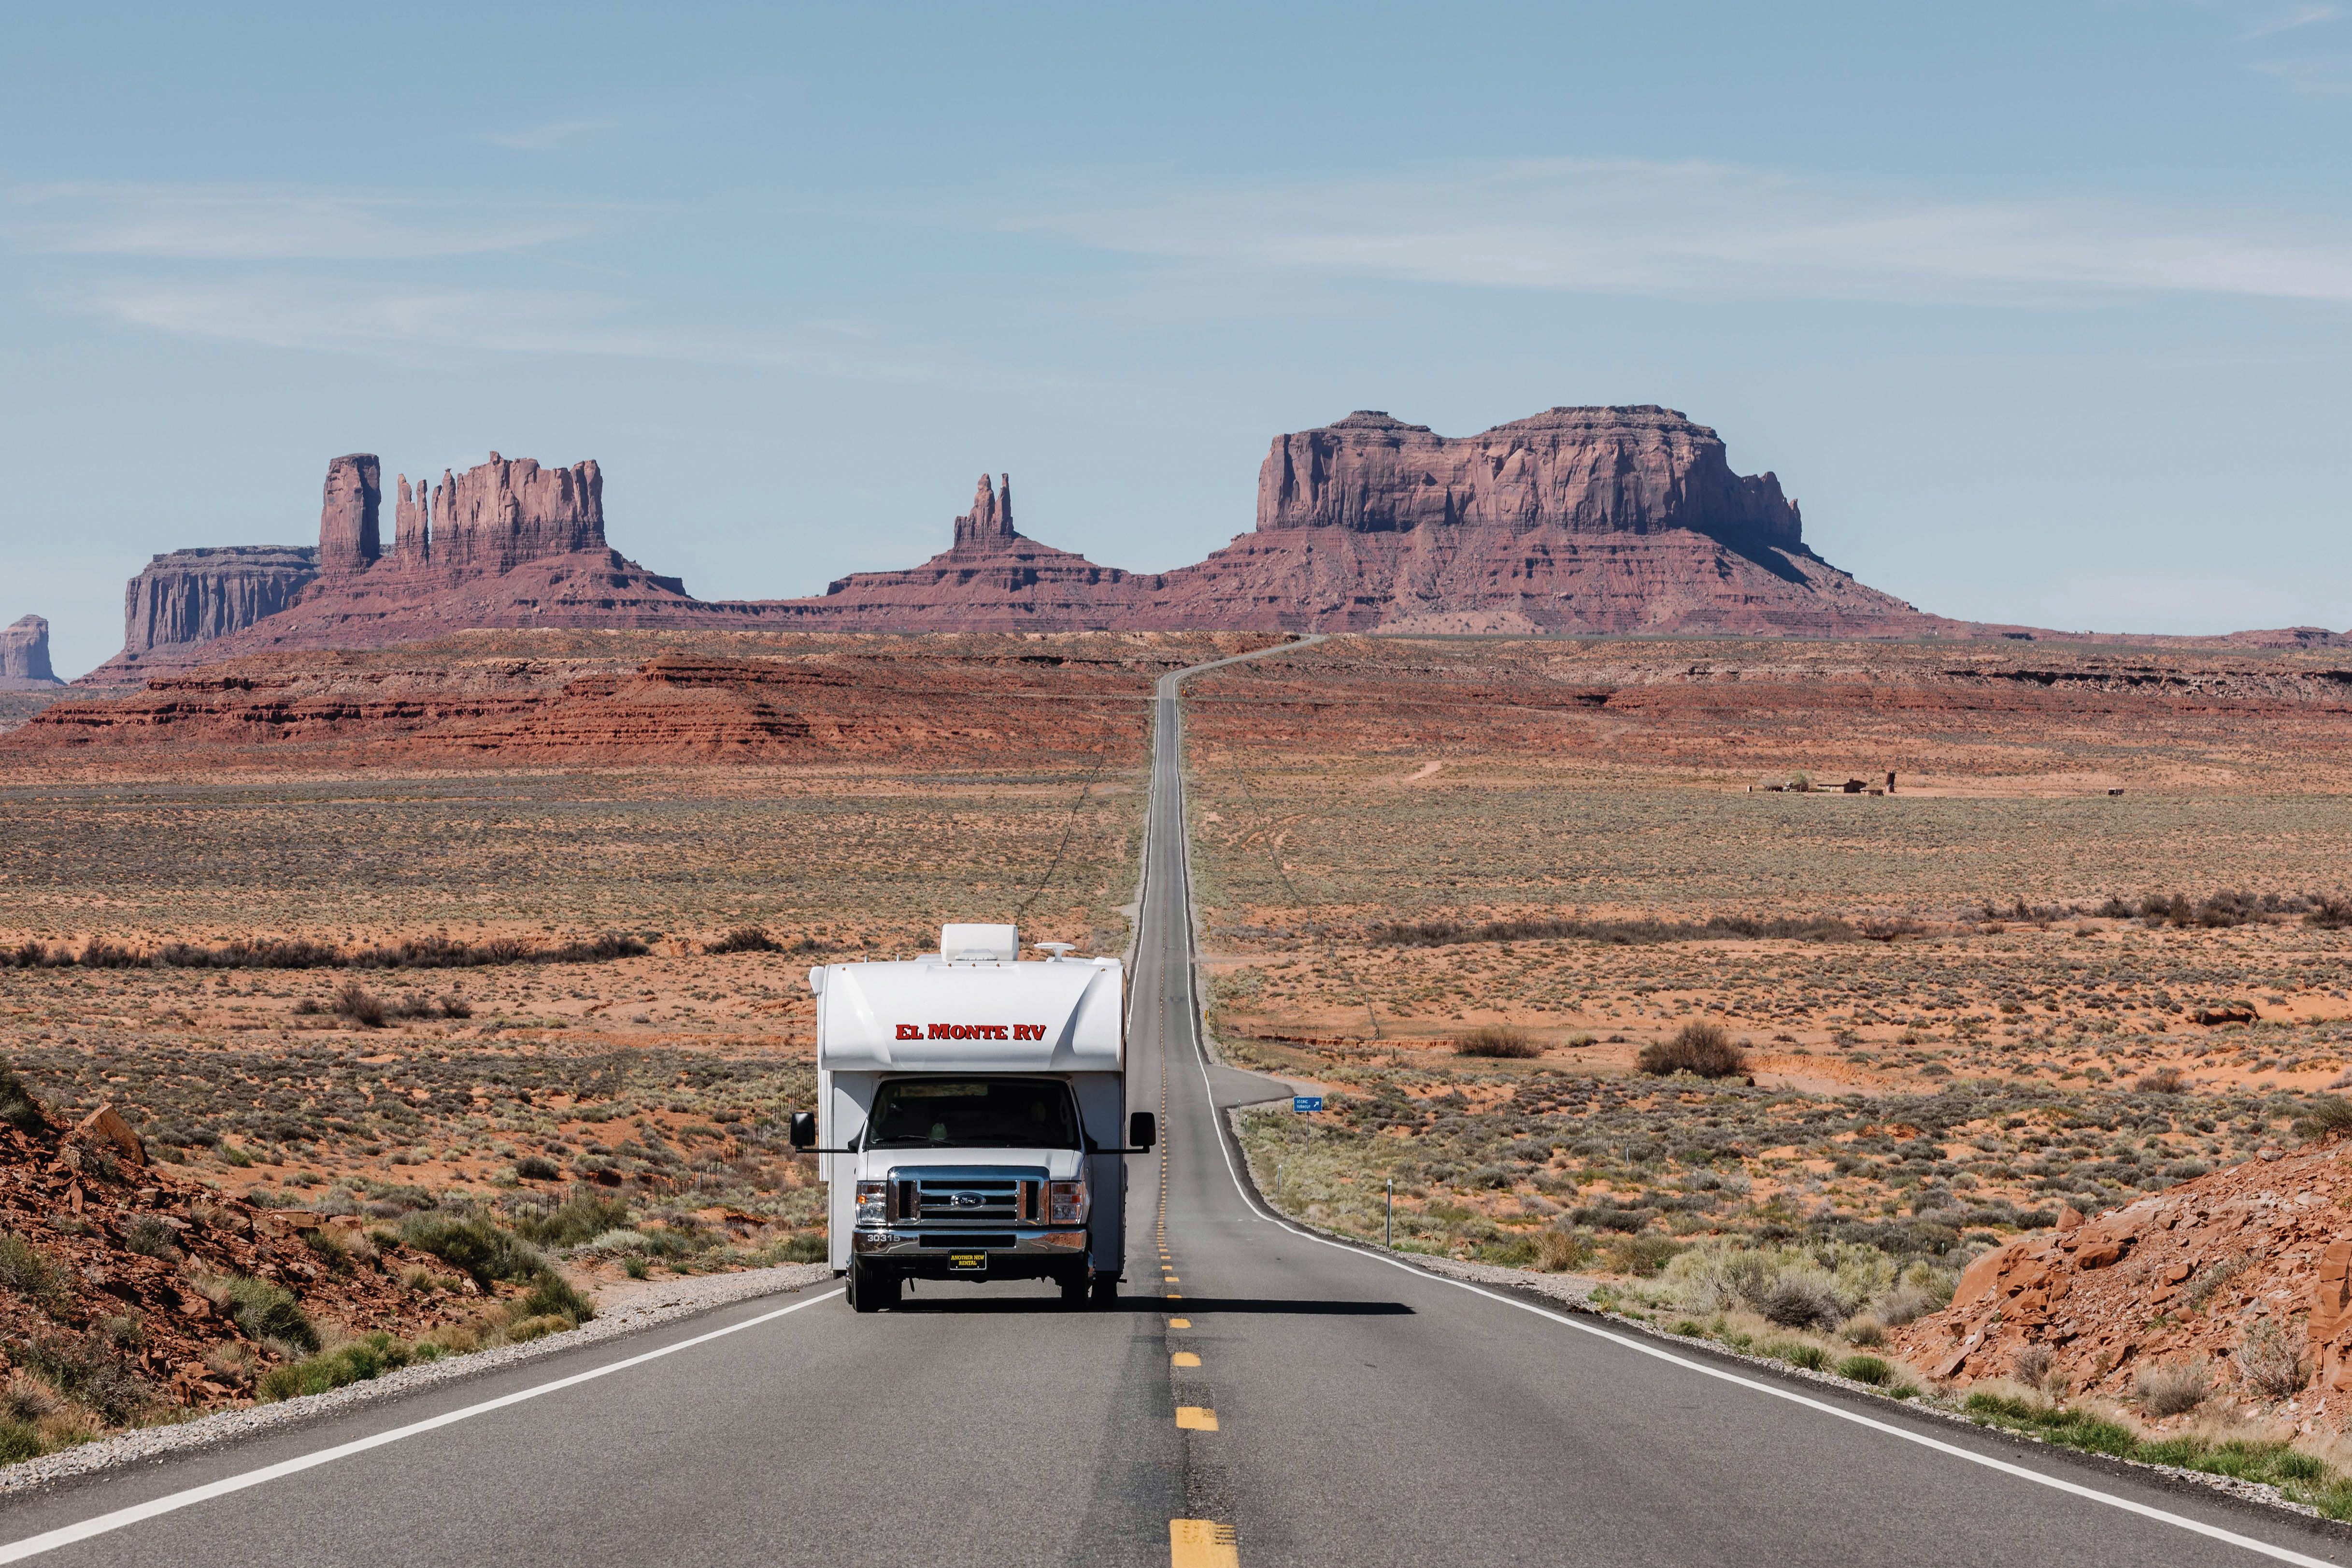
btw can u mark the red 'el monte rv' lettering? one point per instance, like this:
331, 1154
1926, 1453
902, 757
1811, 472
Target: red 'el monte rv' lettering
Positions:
973, 1032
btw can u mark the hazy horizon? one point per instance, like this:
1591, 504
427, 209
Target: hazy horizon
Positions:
2040, 314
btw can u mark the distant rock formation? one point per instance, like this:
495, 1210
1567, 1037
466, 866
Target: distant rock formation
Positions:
1636, 470
192, 596
989, 524
1620, 519
25, 657
346, 520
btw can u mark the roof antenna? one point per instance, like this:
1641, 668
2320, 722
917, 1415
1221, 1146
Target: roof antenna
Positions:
1059, 950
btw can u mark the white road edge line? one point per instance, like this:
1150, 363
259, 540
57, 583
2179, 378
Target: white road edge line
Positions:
105, 1523
2197, 1526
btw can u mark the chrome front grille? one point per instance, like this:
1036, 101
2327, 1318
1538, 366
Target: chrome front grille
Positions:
956, 1198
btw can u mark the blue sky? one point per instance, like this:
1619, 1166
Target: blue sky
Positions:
2044, 311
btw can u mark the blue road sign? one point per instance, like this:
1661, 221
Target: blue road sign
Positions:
1302, 1103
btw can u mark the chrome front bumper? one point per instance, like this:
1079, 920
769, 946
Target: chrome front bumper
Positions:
938, 1241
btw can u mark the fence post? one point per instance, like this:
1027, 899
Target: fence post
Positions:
1388, 1222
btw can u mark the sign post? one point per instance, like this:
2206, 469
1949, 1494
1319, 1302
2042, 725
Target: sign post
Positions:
1304, 1103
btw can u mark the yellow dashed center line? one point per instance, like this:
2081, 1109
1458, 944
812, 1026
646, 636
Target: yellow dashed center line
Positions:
1195, 1418
1179, 1322
1201, 1543
1184, 1358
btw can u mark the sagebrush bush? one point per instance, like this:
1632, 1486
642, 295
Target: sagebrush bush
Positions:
1795, 1301
745, 938
1699, 1047
33, 1274
359, 1004
1558, 1251
266, 1312
582, 1215
2173, 1388
19, 1109
1497, 1040
2270, 1359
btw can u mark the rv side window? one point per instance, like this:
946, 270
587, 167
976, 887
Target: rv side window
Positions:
973, 1114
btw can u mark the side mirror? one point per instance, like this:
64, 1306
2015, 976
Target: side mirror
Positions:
803, 1129
1142, 1129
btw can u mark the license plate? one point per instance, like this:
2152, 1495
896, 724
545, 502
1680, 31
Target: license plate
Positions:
968, 1260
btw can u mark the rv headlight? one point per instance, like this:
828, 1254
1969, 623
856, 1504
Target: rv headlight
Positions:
874, 1203
1066, 1203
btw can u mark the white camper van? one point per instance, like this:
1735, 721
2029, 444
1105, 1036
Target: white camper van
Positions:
972, 1115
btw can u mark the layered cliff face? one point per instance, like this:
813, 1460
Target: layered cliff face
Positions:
24, 656
192, 596
1636, 470
1577, 520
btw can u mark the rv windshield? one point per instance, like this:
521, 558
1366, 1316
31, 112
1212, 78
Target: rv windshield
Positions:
973, 1114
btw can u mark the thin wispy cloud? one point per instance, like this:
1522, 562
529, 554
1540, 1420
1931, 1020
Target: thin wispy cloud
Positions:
236, 224
2289, 20
1712, 230
427, 324
2318, 74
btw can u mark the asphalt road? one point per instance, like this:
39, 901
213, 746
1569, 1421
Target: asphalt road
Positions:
1364, 1413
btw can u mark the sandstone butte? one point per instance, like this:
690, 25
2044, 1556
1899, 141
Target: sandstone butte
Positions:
25, 657
1577, 520
2187, 1273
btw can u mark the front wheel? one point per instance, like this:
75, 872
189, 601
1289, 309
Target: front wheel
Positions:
872, 1287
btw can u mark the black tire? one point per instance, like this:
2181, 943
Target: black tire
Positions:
1106, 1291
872, 1287
1074, 1285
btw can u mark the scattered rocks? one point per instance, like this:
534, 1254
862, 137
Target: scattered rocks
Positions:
2187, 1273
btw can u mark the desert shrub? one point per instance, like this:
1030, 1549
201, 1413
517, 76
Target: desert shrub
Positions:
473, 1244
2163, 1080
1867, 1369
2325, 1114
581, 1216
1865, 1331
267, 1311
524, 1329
2036, 1366
1699, 1047
33, 1274
554, 1295
150, 1238
745, 938
359, 1004
19, 1109
19, 1440
1642, 1256
354, 1361
2271, 1360
1812, 1358
85, 1368
2330, 913
811, 1249
1794, 1301
1906, 1303
456, 1007
621, 1241
1558, 1251
537, 1168
1499, 1040
2173, 1388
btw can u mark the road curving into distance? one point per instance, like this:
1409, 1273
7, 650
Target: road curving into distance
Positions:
1261, 1395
